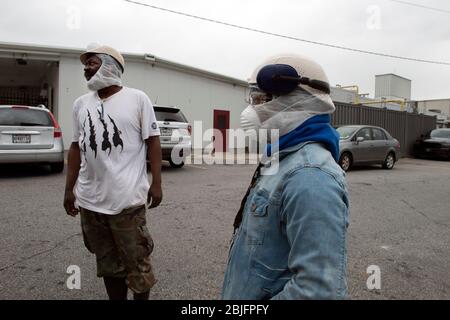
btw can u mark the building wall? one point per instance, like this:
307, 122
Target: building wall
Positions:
196, 95
52, 79
401, 88
443, 105
71, 85
382, 86
343, 95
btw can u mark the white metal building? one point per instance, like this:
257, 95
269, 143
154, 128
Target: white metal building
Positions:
437, 107
392, 86
32, 74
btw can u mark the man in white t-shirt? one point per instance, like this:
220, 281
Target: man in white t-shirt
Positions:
114, 130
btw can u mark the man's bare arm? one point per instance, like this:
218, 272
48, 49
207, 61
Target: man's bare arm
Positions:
155, 157
73, 169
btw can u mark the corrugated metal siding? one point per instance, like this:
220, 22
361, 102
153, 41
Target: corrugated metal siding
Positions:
382, 86
391, 86
403, 126
401, 88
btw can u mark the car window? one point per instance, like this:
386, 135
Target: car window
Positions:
440, 134
365, 133
24, 117
346, 132
169, 114
378, 134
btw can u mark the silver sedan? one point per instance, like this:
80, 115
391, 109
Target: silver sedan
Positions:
367, 145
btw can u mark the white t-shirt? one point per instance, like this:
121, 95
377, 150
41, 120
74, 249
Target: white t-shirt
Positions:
113, 173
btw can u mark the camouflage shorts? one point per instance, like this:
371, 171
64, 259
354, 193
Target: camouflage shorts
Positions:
122, 246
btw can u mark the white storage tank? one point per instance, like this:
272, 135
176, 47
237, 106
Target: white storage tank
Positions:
392, 86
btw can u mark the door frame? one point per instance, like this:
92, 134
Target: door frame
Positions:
216, 114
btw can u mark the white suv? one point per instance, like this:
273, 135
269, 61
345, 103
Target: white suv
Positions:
30, 135
175, 135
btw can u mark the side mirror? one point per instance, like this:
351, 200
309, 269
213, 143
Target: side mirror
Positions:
359, 139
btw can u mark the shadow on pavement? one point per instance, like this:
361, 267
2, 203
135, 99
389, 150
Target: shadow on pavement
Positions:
367, 168
13, 171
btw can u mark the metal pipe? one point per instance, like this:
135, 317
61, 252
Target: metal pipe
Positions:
357, 99
400, 102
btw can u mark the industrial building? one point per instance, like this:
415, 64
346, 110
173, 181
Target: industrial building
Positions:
33, 75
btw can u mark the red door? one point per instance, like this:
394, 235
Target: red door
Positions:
222, 124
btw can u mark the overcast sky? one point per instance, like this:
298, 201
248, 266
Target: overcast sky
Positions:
374, 25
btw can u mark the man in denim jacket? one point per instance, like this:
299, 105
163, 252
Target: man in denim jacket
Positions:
290, 232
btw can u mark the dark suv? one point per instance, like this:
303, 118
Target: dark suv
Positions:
435, 144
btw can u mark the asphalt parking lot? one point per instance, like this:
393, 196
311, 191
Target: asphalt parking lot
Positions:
400, 221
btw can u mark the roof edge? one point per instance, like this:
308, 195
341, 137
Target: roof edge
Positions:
40, 49
392, 74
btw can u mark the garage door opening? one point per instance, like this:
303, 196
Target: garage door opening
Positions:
29, 82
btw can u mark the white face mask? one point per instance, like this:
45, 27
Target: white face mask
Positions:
253, 128
107, 75
286, 112
250, 120
96, 83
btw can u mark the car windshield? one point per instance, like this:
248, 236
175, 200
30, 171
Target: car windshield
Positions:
440, 134
24, 117
169, 114
346, 132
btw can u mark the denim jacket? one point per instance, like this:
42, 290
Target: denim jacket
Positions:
291, 243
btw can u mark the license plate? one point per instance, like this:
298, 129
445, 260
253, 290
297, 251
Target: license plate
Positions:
166, 132
21, 138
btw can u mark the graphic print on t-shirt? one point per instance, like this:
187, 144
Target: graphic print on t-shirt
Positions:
116, 137
83, 142
106, 143
92, 142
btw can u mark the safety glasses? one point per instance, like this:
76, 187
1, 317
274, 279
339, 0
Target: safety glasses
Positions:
256, 96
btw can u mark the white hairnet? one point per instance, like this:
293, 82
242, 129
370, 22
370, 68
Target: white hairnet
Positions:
287, 112
109, 74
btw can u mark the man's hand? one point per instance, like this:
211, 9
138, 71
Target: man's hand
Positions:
69, 203
154, 195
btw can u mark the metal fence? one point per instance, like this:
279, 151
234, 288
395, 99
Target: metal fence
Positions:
405, 127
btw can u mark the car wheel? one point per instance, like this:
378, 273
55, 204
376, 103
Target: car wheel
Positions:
345, 161
57, 167
176, 165
389, 161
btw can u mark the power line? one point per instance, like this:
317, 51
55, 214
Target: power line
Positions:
420, 6
289, 37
